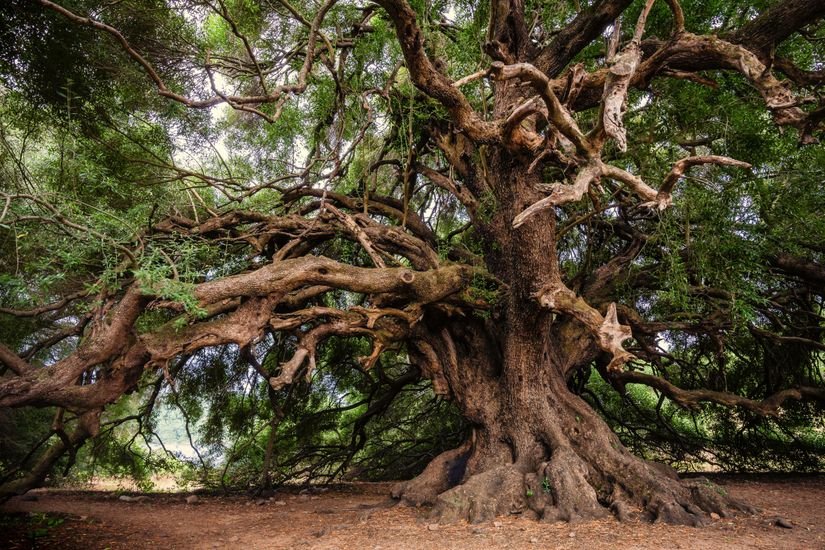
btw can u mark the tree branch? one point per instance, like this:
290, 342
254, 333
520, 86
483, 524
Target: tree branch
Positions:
429, 80
690, 399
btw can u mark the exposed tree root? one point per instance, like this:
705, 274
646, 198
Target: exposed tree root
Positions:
566, 488
570, 495
540, 452
443, 472
484, 496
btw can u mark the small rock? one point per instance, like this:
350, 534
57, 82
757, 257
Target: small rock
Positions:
248, 503
714, 515
534, 540
260, 501
303, 497
303, 491
280, 503
785, 524
572, 535
83, 518
432, 527
497, 524
192, 499
314, 498
319, 533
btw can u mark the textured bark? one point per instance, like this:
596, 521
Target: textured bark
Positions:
537, 449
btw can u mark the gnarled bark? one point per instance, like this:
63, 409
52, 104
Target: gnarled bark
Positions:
541, 452
536, 448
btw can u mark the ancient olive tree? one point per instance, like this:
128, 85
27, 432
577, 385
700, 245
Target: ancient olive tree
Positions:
507, 194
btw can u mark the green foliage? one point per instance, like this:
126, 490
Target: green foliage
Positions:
83, 130
329, 427
485, 293
731, 440
20, 431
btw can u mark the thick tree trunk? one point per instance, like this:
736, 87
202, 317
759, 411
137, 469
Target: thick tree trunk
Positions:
540, 451
537, 449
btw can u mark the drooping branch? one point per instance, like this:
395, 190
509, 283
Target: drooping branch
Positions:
799, 76
464, 195
34, 312
289, 275
45, 463
362, 237
779, 339
355, 322
808, 270
635, 183
378, 204
54, 216
13, 361
113, 339
108, 337
683, 54
690, 399
274, 95
429, 79
260, 229
687, 54
562, 194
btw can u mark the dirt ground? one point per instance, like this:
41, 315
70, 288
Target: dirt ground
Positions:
362, 517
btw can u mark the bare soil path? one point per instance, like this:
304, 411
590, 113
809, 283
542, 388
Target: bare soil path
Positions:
362, 517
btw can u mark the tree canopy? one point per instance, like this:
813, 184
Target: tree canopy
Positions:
344, 238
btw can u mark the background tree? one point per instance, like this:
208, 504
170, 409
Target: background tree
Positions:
468, 189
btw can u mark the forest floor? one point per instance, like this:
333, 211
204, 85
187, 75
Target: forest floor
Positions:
362, 517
